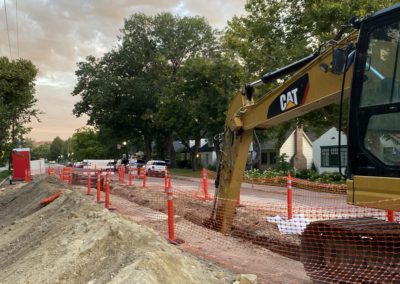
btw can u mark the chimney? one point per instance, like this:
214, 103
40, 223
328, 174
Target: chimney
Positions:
299, 160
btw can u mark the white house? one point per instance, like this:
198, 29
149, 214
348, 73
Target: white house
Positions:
297, 147
206, 154
326, 151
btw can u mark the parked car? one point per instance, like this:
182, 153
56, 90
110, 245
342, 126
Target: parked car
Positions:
112, 165
78, 165
155, 168
69, 164
137, 163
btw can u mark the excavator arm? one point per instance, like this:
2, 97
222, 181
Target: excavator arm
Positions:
318, 82
364, 65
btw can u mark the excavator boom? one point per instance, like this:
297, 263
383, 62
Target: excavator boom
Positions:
364, 66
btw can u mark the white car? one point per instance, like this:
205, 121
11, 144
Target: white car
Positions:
155, 168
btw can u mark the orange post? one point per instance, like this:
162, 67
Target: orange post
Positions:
390, 215
289, 196
50, 171
166, 179
26, 175
130, 175
98, 186
205, 186
89, 185
107, 193
170, 205
70, 178
144, 177
123, 175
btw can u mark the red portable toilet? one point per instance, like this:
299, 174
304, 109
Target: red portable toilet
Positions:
21, 162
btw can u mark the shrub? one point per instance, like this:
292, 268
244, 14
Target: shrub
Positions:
283, 166
212, 168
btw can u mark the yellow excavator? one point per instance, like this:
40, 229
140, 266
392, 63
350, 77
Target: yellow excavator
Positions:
363, 66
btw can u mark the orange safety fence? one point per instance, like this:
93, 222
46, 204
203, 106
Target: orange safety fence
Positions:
335, 241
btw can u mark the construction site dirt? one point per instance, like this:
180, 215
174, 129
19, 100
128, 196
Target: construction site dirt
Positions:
75, 240
243, 251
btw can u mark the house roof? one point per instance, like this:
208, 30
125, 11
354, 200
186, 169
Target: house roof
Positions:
204, 146
312, 136
270, 144
179, 147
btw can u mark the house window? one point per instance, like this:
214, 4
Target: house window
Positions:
330, 156
272, 158
264, 158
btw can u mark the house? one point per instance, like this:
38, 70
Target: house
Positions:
326, 151
206, 154
297, 147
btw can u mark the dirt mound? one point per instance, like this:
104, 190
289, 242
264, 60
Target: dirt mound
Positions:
72, 240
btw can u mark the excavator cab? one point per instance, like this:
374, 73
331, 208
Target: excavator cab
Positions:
374, 119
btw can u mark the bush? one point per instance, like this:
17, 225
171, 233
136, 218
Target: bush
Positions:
212, 168
283, 166
311, 175
307, 174
334, 177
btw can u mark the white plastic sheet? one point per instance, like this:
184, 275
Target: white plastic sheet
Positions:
296, 225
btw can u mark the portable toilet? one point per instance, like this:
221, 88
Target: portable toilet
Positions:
21, 162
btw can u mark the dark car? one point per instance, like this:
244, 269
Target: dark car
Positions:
140, 163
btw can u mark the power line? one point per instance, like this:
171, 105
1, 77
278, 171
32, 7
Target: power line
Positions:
16, 20
8, 31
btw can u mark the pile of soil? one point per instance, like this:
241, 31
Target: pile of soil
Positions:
72, 240
248, 225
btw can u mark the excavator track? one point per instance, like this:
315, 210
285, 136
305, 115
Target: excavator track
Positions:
357, 250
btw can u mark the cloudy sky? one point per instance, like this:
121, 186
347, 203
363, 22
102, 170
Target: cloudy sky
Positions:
56, 34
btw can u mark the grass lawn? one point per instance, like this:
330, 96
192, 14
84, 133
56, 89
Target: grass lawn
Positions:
186, 172
4, 174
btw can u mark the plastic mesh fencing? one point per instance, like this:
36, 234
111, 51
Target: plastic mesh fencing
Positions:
335, 241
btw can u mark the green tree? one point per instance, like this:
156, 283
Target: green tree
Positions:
85, 144
323, 18
123, 91
56, 149
274, 34
41, 152
196, 107
17, 101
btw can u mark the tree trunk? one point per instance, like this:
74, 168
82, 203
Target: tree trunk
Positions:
172, 153
147, 145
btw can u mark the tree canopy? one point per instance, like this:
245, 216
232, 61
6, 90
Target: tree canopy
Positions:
128, 93
17, 101
273, 34
171, 78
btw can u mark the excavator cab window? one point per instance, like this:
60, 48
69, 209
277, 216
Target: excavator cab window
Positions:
375, 103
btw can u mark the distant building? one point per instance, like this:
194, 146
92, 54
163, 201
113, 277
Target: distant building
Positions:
206, 154
326, 152
297, 147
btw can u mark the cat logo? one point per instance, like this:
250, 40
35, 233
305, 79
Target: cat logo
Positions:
289, 100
